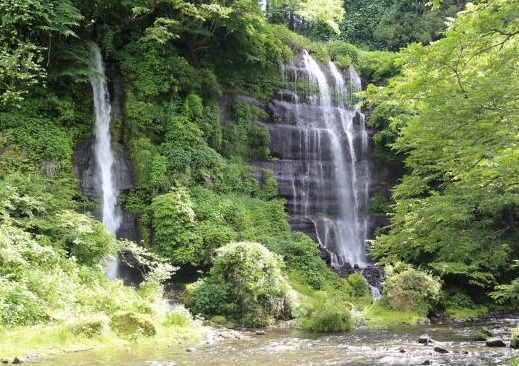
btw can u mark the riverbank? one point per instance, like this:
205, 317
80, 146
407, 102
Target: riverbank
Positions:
450, 344
46, 341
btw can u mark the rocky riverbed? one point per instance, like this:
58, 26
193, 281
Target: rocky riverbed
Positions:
442, 344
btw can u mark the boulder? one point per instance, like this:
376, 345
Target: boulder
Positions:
424, 339
482, 335
440, 350
495, 342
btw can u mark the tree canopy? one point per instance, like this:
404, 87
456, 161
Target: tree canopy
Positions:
455, 114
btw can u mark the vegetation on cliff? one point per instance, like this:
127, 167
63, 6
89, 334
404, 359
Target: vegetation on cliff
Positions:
184, 73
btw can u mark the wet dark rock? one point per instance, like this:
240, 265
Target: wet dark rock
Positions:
482, 335
424, 339
17, 360
401, 350
345, 270
260, 332
374, 275
325, 255
426, 362
495, 342
440, 350
5, 361
190, 349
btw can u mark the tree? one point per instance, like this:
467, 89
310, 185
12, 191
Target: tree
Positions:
456, 208
27, 29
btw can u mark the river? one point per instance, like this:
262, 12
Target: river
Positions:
285, 347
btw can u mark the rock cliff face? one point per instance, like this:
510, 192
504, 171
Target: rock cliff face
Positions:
321, 156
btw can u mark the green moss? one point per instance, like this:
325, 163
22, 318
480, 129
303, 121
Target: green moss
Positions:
380, 315
482, 335
222, 320
466, 313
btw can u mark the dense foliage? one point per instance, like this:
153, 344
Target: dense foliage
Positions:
454, 112
191, 79
245, 284
393, 24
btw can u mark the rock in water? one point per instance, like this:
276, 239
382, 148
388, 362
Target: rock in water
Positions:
440, 350
424, 339
482, 335
495, 342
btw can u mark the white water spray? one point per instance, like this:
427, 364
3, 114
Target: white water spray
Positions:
104, 173
335, 138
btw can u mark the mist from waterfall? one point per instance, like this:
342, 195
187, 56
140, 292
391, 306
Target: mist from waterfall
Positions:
104, 173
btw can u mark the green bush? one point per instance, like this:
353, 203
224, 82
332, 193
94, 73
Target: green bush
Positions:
407, 288
359, 285
18, 306
179, 316
88, 327
328, 315
132, 324
173, 223
245, 282
85, 238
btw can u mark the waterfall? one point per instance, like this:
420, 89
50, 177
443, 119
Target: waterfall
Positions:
104, 173
344, 233
322, 150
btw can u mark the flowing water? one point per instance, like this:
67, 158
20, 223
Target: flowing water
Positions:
285, 347
322, 147
104, 173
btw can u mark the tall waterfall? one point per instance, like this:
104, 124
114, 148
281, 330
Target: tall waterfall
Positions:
104, 174
323, 168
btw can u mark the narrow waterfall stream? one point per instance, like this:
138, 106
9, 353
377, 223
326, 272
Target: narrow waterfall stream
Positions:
323, 149
105, 181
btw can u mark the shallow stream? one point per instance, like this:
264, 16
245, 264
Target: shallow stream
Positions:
286, 347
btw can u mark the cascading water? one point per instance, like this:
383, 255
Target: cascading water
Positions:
104, 172
323, 150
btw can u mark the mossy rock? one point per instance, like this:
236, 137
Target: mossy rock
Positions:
88, 327
482, 335
130, 323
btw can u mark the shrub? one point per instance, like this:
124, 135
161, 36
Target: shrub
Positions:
410, 289
328, 316
132, 324
88, 327
245, 282
174, 225
179, 316
85, 238
359, 285
19, 306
